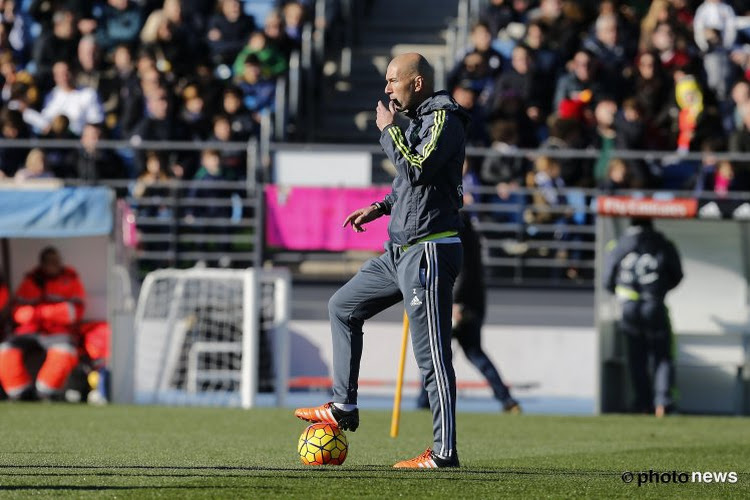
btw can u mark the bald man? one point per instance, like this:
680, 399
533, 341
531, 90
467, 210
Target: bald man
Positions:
421, 259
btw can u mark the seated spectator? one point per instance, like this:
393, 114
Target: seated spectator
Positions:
652, 89
519, 81
193, 114
34, 168
580, 78
608, 50
258, 93
604, 136
545, 62
660, 11
630, 131
272, 61
689, 99
481, 44
473, 69
715, 31
740, 97
562, 23
505, 173
80, 105
294, 18
496, 15
60, 161
228, 30
718, 178
172, 50
159, 124
88, 64
273, 28
12, 126
465, 95
119, 93
235, 161
241, 121
618, 176
547, 198
61, 44
663, 42
48, 306
119, 23
96, 163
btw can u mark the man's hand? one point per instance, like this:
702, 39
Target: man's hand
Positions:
360, 217
385, 116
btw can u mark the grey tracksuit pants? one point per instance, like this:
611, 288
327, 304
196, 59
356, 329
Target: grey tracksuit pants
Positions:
423, 276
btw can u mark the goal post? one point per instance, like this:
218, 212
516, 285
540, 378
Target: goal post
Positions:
212, 336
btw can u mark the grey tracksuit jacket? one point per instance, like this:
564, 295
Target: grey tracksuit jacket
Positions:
426, 194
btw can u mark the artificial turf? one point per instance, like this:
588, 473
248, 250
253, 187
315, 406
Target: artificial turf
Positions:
155, 452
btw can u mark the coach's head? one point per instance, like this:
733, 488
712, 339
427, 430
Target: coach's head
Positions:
409, 81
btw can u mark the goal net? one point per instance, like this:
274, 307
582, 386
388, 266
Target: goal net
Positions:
211, 337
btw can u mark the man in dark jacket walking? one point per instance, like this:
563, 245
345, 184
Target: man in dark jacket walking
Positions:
640, 270
469, 305
422, 257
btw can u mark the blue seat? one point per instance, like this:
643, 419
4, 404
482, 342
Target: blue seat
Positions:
259, 9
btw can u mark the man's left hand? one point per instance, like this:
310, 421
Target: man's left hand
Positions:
385, 116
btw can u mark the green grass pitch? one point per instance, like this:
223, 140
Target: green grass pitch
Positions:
71, 451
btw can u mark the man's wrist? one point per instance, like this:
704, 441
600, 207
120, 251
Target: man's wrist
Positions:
379, 206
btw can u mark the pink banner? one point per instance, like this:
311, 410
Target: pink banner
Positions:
305, 218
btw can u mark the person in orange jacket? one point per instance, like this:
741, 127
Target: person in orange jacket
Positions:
47, 308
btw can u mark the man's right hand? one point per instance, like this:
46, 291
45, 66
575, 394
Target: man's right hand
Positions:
362, 216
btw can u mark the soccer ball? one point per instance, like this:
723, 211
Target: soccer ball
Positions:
322, 444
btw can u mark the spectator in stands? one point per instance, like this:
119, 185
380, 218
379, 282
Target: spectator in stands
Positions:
618, 176
273, 28
520, 82
61, 44
272, 61
581, 78
660, 11
740, 96
294, 17
150, 183
160, 125
48, 306
234, 161
119, 23
562, 28
13, 127
172, 49
258, 93
120, 93
719, 178
506, 173
545, 63
652, 89
715, 31
604, 136
80, 105
35, 167
96, 163
88, 66
630, 131
227, 31
193, 114
610, 53
496, 15
663, 41
481, 44
60, 161
641, 268
241, 121
689, 97
465, 95
739, 141
473, 68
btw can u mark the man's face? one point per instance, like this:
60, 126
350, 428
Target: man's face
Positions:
401, 88
582, 66
61, 75
52, 264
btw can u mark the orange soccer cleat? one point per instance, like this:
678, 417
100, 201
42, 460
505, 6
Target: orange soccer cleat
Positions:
428, 460
328, 413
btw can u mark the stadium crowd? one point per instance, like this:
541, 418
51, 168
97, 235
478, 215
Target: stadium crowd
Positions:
664, 75
182, 70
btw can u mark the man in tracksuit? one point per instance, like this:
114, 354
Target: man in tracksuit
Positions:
469, 304
640, 270
422, 257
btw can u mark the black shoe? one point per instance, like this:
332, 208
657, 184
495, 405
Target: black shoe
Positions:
328, 413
